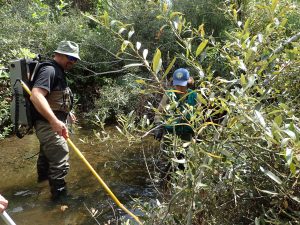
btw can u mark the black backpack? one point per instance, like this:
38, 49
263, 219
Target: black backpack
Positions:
21, 107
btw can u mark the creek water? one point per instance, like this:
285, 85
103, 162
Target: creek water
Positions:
121, 166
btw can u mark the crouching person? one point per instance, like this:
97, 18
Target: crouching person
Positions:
173, 118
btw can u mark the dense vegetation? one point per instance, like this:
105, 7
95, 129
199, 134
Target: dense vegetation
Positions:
244, 56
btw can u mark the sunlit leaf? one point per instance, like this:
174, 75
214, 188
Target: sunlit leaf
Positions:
119, 130
201, 47
278, 120
145, 53
186, 144
134, 65
235, 14
213, 155
246, 26
243, 80
274, 4
175, 14
138, 45
260, 118
121, 30
156, 62
124, 45
169, 67
140, 81
165, 7
269, 192
289, 155
271, 175
290, 133
285, 141
181, 161
201, 30
257, 221
242, 65
130, 33
251, 81
201, 99
105, 18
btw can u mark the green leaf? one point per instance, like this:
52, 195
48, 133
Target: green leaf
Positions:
257, 221
134, 65
156, 62
285, 141
178, 160
169, 67
274, 4
243, 80
105, 19
278, 120
145, 53
290, 133
260, 118
289, 156
269, 192
293, 168
246, 26
130, 33
201, 47
140, 81
271, 175
201, 99
119, 130
201, 30
124, 45
175, 14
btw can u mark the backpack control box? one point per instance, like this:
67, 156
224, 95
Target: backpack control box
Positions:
21, 69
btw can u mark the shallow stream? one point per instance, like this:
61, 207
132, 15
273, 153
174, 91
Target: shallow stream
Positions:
121, 166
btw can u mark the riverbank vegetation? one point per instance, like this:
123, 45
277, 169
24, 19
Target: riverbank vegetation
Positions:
242, 166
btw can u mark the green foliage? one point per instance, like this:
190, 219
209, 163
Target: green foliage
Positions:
116, 97
5, 96
242, 168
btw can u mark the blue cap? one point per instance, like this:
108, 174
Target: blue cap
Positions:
181, 77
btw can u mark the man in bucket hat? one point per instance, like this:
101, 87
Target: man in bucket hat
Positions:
52, 101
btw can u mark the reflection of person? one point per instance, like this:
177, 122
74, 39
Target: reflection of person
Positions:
52, 101
3, 204
175, 109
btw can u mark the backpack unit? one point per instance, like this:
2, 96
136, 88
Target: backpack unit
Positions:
21, 109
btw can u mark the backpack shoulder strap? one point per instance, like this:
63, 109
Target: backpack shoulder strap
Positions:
38, 66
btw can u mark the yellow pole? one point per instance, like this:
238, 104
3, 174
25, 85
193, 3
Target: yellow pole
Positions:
81, 156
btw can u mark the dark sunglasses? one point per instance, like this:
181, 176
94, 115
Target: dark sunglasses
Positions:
71, 58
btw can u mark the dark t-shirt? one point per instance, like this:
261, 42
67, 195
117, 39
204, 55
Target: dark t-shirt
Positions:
50, 77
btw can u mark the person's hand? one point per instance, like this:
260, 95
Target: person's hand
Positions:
158, 133
3, 204
60, 128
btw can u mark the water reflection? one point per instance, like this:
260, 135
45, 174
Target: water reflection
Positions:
120, 166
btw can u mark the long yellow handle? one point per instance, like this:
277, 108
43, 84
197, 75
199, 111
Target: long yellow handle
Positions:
106, 188
102, 182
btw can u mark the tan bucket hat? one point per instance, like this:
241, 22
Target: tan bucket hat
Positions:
68, 48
